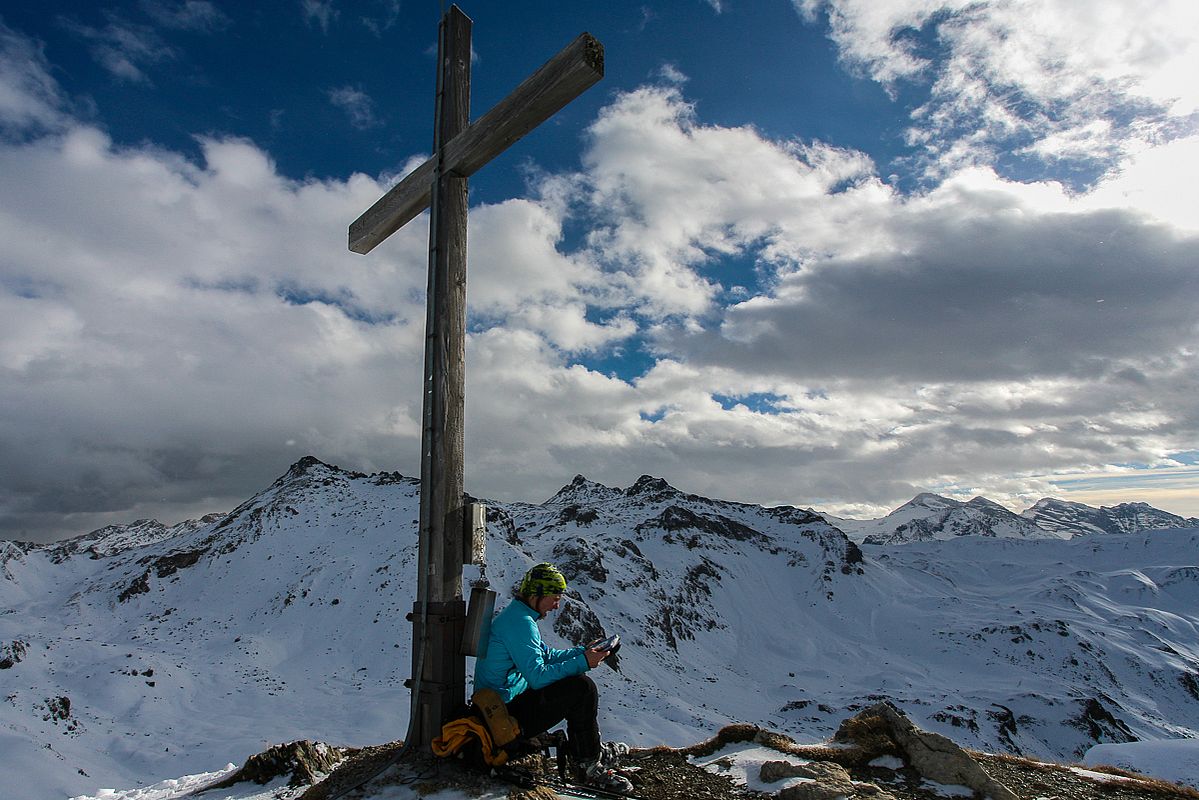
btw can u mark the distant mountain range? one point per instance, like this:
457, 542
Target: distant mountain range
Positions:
1081, 520
929, 517
141, 652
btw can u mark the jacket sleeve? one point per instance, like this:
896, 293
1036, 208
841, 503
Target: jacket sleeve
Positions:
553, 656
531, 656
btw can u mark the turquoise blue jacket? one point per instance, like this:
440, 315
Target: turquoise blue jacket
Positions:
517, 658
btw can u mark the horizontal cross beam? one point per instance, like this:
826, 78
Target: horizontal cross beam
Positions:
561, 79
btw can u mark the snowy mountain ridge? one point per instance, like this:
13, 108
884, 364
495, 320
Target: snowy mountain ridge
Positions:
928, 517
1079, 519
284, 620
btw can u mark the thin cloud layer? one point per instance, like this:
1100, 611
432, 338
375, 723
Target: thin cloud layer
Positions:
319, 12
124, 48
186, 15
357, 105
30, 99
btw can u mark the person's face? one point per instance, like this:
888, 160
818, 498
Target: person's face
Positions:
547, 603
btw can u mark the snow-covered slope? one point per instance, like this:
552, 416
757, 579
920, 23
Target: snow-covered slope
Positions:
281, 621
1077, 519
285, 620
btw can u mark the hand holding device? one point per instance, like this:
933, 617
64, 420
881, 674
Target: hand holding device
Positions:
611, 643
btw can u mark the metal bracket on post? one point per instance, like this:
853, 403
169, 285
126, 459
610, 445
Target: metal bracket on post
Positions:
482, 599
474, 534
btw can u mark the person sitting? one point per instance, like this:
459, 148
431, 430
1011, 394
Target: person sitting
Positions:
542, 685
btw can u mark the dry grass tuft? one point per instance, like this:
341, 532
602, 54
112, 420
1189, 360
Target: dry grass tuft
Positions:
536, 793
871, 734
778, 741
1147, 784
657, 749
730, 734
848, 757
1152, 787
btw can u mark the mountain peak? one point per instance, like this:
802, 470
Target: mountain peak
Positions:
1049, 502
581, 488
303, 466
930, 500
1133, 506
311, 467
983, 502
648, 484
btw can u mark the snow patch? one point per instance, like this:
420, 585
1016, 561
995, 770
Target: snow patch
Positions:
742, 762
167, 790
947, 790
1175, 760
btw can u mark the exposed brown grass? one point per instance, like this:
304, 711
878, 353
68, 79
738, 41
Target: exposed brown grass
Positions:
871, 734
730, 734
535, 793
848, 757
1144, 783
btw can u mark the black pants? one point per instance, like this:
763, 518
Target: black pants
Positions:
574, 699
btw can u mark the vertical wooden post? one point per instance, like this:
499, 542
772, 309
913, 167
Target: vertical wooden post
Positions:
439, 613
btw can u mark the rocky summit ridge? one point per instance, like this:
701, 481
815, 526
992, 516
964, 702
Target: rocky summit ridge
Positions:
878, 754
284, 620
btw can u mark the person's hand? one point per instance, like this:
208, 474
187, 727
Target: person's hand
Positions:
594, 657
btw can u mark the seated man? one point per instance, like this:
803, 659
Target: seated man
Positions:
542, 685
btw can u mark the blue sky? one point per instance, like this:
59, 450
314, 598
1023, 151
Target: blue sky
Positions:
828, 253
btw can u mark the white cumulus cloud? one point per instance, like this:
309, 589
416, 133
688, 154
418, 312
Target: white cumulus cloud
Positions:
1055, 80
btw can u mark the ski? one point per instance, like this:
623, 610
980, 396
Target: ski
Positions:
588, 792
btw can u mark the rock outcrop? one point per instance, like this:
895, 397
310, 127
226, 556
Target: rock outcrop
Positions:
934, 756
824, 780
304, 762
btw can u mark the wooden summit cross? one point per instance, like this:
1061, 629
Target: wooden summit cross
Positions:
459, 150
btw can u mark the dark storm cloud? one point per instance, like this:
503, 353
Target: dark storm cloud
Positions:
990, 297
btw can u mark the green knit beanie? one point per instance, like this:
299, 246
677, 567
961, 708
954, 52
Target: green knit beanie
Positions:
541, 580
